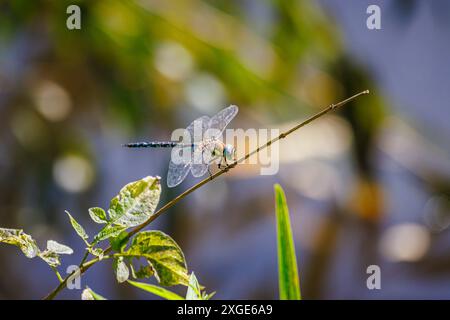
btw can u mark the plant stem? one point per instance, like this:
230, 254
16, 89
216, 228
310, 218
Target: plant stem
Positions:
85, 266
58, 275
86, 254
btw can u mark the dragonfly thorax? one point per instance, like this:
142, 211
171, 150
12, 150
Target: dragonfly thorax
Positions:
222, 150
229, 152
218, 149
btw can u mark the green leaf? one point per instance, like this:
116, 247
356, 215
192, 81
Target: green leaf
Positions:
193, 292
77, 227
136, 202
161, 292
29, 247
121, 270
88, 294
209, 295
289, 284
98, 215
119, 243
52, 255
108, 232
163, 254
20, 239
143, 272
98, 252
58, 247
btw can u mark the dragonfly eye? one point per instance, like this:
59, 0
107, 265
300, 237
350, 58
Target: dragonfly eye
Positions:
229, 152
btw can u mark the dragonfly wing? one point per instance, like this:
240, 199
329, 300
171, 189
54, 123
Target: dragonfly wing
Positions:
177, 173
197, 129
202, 158
219, 122
179, 167
199, 170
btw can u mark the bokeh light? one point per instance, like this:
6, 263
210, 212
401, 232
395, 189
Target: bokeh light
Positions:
205, 92
173, 61
406, 242
51, 100
73, 173
314, 178
329, 138
29, 129
437, 213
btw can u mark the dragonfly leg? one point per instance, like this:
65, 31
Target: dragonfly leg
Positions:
210, 173
220, 163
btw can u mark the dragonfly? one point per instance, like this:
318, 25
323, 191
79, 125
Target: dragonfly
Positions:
199, 148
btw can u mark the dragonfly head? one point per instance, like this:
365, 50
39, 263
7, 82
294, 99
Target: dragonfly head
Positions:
229, 152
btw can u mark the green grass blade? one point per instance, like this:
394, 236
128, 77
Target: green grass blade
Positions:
159, 291
289, 283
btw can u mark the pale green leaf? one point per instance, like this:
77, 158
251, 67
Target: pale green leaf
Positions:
289, 283
164, 255
98, 215
194, 290
88, 294
50, 257
58, 247
161, 292
77, 227
98, 252
20, 239
54, 249
209, 295
121, 270
28, 246
136, 202
108, 231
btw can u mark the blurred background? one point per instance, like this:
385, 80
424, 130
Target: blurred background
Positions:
369, 184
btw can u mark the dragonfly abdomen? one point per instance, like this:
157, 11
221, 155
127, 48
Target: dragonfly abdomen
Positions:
153, 144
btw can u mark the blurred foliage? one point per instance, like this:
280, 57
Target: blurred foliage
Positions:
111, 68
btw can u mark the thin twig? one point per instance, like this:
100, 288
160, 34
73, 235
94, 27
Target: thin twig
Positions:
168, 205
86, 254
58, 275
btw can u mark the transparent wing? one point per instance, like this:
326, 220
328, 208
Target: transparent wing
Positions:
183, 156
202, 159
177, 173
198, 130
203, 156
219, 122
